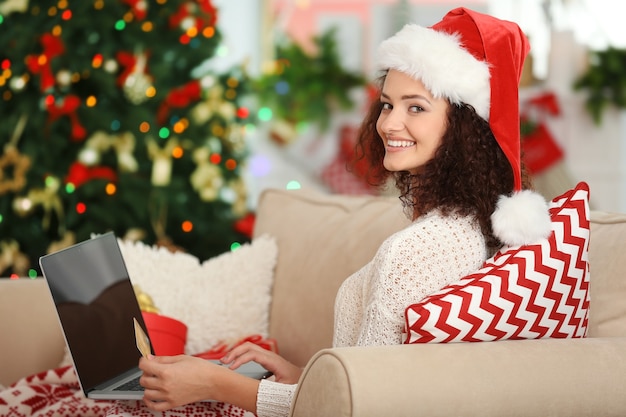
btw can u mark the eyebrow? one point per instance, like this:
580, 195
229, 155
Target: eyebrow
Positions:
408, 97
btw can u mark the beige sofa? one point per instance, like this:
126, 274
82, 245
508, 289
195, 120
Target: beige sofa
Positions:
322, 239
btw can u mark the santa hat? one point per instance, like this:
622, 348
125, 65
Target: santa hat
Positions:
473, 58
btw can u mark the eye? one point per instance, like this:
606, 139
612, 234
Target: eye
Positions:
416, 109
386, 106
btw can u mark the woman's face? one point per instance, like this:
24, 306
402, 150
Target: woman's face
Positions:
411, 123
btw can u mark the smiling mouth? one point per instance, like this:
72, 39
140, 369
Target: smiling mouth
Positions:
400, 143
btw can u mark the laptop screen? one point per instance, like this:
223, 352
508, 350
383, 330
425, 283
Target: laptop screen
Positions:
96, 304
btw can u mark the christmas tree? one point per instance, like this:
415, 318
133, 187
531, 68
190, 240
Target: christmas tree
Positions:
112, 120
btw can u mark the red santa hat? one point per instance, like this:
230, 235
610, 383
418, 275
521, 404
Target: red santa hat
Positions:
473, 58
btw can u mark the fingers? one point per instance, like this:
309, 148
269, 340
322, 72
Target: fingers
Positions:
157, 405
244, 353
152, 363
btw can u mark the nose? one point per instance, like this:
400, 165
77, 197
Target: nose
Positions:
390, 121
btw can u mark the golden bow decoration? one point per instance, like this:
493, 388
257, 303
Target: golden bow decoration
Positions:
123, 144
46, 197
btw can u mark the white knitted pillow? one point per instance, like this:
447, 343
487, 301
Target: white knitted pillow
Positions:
222, 299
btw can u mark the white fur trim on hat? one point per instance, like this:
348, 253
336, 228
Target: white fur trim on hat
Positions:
439, 61
521, 218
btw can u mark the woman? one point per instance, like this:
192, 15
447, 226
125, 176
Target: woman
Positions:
446, 128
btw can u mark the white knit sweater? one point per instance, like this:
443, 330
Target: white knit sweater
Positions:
411, 264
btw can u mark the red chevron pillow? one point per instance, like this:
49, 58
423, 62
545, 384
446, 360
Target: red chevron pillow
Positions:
523, 292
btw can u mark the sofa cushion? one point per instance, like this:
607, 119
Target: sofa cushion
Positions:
523, 292
220, 300
607, 313
323, 239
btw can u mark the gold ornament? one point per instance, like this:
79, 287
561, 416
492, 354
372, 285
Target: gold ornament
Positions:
46, 197
162, 161
214, 104
9, 6
10, 256
137, 82
167, 243
207, 178
236, 137
282, 131
124, 145
20, 163
99, 142
240, 205
146, 303
134, 234
13, 157
68, 239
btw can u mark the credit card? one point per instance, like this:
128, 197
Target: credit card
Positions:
143, 343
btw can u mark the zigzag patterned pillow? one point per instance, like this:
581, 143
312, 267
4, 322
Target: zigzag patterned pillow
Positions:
524, 292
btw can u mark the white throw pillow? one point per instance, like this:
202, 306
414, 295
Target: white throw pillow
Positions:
222, 299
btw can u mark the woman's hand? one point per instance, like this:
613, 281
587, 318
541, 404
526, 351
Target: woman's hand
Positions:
283, 370
171, 381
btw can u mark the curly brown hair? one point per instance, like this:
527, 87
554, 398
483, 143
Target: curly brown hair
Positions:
467, 174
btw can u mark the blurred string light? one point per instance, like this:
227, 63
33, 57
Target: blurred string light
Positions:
164, 133
259, 165
81, 208
293, 185
187, 226
110, 189
282, 87
265, 114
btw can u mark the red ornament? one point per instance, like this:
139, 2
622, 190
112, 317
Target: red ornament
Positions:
41, 64
128, 61
245, 225
179, 97
79, 174
243, 112
207, 17
139, 7
67, 106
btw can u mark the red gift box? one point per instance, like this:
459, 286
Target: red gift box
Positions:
167, 335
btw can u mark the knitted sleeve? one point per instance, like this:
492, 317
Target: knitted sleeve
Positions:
432, 252
274, 399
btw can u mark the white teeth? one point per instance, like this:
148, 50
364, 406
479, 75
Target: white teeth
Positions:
400, 143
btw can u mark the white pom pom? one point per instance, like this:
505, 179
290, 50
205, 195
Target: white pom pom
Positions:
521, 219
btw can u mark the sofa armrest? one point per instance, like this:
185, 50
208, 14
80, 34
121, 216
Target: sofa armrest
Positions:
30, 335
555, 377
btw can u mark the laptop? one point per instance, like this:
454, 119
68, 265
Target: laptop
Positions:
96, 306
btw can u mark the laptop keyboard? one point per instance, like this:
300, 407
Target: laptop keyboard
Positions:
132, 385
